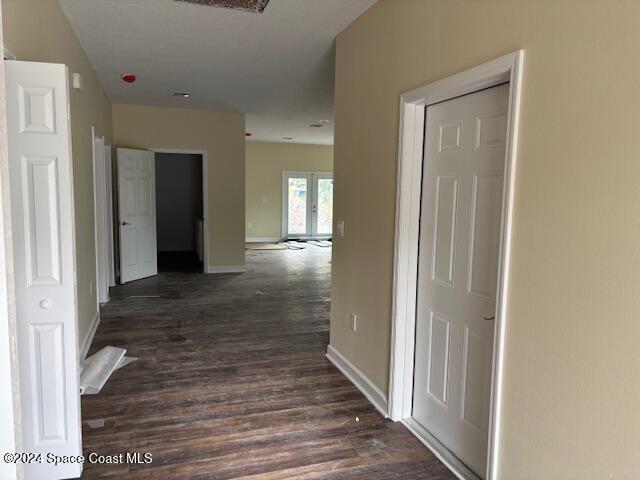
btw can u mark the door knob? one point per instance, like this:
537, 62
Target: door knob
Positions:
124, 223
45, 303
490, 318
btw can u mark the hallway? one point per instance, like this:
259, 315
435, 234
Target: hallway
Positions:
232, 382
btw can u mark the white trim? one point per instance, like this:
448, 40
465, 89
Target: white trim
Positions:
111, 267
88, 339
409, 184
228, 269
441, 452
263, 239
100, 228
205, 196
359, 379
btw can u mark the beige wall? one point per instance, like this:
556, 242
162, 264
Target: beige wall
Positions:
221, 134
265, 163
37, 30
571, 385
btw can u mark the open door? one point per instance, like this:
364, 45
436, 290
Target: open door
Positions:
40, 170
137, 208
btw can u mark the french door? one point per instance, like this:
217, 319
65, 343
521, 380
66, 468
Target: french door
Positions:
307, 205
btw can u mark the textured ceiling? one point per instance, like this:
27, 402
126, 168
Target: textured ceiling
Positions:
278, 66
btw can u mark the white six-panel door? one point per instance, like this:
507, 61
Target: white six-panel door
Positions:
458, 264
42, 209
137, 214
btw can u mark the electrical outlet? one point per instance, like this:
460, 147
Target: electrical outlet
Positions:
340, 228
353, 322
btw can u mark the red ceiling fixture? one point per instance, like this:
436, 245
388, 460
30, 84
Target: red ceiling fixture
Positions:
248, 134
128, 77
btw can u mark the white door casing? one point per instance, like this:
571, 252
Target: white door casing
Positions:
40, 164
458, 266
109, 179
137, 211
100, 218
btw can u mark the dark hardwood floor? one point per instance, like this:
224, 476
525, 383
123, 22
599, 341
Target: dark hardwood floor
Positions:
232, 382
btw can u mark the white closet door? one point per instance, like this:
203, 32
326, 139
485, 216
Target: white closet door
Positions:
459, 248
42, 208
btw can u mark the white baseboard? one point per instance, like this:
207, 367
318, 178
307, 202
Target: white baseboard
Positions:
263, 239
359, 379
228, 269
88, 339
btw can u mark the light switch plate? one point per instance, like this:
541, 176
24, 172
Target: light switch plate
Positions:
77, 81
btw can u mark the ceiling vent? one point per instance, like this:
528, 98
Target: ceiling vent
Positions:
256, 6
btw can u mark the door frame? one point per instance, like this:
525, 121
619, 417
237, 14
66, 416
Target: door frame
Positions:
413, 104
285, 206
205, 197
111, 258
101, 229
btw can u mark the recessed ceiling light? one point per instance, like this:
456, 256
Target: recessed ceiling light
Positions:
181, 94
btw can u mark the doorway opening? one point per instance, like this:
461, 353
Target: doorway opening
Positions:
180, 212
307, 205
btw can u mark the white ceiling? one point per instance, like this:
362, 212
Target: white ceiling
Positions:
277, 66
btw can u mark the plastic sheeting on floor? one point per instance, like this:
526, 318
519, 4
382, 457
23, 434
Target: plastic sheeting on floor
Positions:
97, 368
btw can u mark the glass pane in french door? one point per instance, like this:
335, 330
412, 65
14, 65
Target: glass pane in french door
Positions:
325, 206
298, 189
